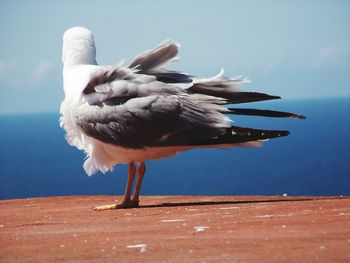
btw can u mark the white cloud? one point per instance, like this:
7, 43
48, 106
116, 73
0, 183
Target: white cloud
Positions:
41, 70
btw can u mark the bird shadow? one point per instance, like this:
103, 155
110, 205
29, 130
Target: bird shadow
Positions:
237, 202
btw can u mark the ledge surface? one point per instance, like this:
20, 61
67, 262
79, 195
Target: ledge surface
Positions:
176, 229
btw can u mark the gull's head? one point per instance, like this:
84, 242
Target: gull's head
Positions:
78, 47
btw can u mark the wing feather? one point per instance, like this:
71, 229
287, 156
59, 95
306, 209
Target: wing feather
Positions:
155, 58
149, 121
145, 107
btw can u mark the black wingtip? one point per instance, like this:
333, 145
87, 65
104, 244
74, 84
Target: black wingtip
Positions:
298, 116
257, 134
264, 113
276, 97
244, 97
236, 135
232, 97
283, 133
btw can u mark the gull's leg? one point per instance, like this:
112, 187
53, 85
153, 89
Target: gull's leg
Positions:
140, 173
127, 197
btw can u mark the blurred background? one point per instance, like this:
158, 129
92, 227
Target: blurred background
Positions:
299, 50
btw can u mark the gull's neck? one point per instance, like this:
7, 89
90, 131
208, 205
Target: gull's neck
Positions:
79, 55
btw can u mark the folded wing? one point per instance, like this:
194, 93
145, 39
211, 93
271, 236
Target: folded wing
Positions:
144, 105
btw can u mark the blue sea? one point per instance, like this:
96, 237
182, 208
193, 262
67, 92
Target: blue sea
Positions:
314, 159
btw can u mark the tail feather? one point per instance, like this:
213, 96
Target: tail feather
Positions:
265, 113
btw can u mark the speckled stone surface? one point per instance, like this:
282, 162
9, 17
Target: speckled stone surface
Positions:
176, 229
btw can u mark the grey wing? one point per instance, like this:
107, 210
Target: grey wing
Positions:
151, 62
150, 121
135, 111
157, 121
153, 59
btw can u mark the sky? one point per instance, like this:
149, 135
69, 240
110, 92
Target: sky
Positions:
295, 49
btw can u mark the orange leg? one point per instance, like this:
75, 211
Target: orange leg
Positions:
127, 196
140, 173
126, 203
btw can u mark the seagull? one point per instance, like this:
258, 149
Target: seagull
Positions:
127, 114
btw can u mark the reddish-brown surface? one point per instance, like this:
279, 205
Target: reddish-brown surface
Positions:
176, 229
